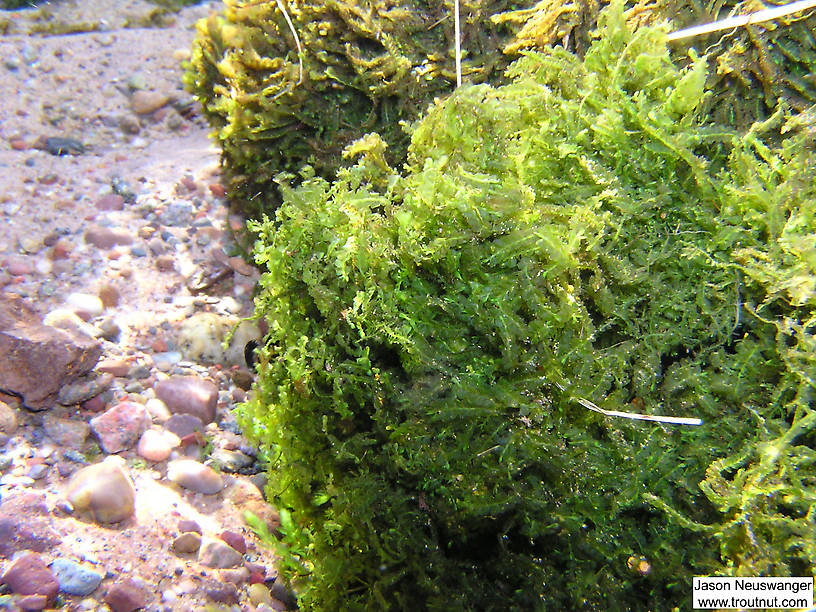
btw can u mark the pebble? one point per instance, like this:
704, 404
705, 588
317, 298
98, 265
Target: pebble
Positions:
218, 554
117, 367
8, 419
85, 305
126, 596
157, 410
184, 425
231, 461
104, 490
28, 575
156, 445
189, 395
111, 201
195, 476
84, 389
106, 238
74, 455
146, 102
75, 579
259, 594
165, 361
234, 539
66, 432
178, 213
221, 592
186, 543
109, 295
185, 525
238, 575
68, 320
121, 426
38, 471
61, 146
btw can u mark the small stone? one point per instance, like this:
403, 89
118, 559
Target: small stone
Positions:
126, 596
121, 426
109, 295
61, 146
259, 594
158, 410
104, 490
129, 124
117, 367
25, 524
75, 579
218, 554
85, 305
236, 540
66, 432
184, 425
111, 201
84, 389
189, 395
38, 471
8, 419
31, 603
217, 189
106, 238
187, 543
235, 576
166, 263
221, 592
156, 445
195, 476
231, 461
70, 322
28, 575
185, 525
145, 102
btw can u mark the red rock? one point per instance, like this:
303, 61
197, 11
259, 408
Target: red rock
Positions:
19, 266
189, 525
126, 596
18, 144
217, 189
236, 540
28, 575
95, 404
31, 603
240, 266
117, 367
111, 201
25, 525
40, 359
256, 578
189, 395
188, 182
159, 345
106, 238
120, 427
61, 249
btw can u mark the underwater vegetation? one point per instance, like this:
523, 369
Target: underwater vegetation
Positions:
579, 234
277, 104
365, 67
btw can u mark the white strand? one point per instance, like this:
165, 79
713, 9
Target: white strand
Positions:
743, 20
297, 40
641, 417
457, 36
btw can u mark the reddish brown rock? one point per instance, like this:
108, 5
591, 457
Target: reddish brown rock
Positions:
126, 596
109, 296
28, 575
189, 395
31, 603
25, 525
117, 367
217, 189
121, 426
236, 540
111, 201
221, 592
40, 359
106, 238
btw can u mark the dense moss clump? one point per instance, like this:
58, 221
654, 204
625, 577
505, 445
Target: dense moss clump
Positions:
755, 66
579, 237
365, 66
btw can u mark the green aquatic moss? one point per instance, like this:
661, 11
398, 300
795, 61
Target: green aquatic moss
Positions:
578, 235
367, 66
755, 66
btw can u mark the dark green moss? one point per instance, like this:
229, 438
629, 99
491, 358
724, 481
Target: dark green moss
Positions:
578, 235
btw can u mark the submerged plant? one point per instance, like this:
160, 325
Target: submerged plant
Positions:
579, 235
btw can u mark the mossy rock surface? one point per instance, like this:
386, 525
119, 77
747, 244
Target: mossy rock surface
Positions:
580, 237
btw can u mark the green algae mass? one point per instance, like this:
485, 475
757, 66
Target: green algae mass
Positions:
580, 234
366, 66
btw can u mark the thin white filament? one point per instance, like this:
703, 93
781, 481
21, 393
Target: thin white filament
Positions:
457, 36
743, 20
297, 40
640, 417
